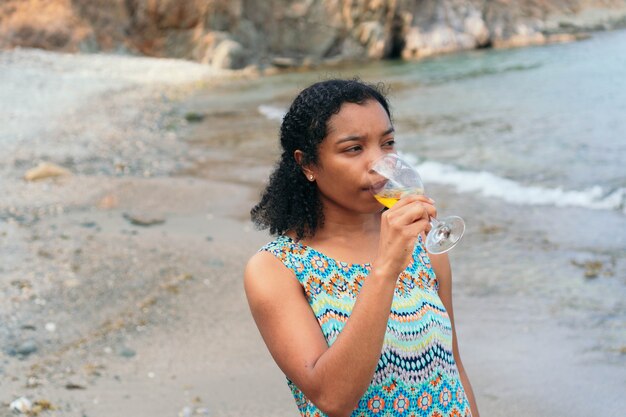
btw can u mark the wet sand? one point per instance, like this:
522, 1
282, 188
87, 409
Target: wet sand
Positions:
152, 320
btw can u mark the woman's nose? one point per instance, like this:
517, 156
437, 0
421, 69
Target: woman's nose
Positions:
373, 157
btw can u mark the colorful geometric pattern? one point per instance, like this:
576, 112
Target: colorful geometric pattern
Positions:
416, 373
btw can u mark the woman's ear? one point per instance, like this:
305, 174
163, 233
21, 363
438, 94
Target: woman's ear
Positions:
306, 169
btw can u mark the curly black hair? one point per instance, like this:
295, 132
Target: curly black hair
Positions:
290, 202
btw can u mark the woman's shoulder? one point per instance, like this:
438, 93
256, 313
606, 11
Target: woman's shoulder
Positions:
274, 255
266, 272
261, 263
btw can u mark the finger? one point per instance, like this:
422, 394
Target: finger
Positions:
430, 209
412, 205
416, 228
414, 212
428, 206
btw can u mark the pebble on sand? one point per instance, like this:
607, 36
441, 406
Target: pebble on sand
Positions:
143, 219
45, 170
27, 347
22, 405
593, 267
126, 352
74, 386
108, 202
194, 117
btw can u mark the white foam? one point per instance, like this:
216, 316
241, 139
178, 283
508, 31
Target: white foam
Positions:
491, 185
272, 113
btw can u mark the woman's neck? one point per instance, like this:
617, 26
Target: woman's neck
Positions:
340, 224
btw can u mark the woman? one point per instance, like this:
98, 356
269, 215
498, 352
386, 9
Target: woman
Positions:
353, 310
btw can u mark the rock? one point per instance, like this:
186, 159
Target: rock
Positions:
166, 14
26, 348
71, 283
475, 26
45, 254
45, 170
33, 382
233, 34
108, 202
143, 219
204, 48
593, 267
126, 352
489, 229
22, 284
41, 24
193, 117
284, 62
74, 386
22, 405
371, 35
566, 37
185, 412
229, 55
41, 405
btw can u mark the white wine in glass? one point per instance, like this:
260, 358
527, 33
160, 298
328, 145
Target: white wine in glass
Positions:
388, 197
400, 179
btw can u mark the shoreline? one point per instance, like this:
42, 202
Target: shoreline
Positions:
152, 320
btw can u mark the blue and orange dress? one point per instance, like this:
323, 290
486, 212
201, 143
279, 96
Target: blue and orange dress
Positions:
416, 373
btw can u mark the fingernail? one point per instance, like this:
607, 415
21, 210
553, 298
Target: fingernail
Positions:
431, 200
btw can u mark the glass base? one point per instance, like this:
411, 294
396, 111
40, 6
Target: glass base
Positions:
445, 235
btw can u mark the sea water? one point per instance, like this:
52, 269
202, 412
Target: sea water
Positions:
540, 125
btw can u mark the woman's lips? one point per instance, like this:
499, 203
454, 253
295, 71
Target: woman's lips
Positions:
377, 185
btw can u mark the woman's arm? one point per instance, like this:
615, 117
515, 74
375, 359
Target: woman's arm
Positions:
441, 266
333, 378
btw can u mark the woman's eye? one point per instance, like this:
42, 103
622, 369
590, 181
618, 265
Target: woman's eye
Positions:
353, 149
390, 143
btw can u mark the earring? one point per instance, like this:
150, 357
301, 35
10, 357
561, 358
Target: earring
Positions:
310, 177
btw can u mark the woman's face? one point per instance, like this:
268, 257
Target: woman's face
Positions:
356, 136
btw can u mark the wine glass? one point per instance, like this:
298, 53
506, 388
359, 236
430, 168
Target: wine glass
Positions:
401, 179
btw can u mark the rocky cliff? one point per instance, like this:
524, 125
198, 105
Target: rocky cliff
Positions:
238, 33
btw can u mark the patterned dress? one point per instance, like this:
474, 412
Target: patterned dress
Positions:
416, 373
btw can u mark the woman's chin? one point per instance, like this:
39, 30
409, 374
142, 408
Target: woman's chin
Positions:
373, 208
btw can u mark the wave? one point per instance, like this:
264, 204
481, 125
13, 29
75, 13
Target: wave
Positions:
490, 185
443, 78
271, 112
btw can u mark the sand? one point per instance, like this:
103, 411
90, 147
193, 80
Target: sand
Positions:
132, 320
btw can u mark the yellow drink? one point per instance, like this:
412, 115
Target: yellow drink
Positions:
386, 201
389, 198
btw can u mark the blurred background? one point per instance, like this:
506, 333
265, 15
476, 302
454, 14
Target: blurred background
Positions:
136, 135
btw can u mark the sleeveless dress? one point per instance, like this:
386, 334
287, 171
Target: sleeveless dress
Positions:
416, 373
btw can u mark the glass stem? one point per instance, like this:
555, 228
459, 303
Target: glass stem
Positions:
434, 222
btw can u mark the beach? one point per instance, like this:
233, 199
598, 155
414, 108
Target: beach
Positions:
121, 283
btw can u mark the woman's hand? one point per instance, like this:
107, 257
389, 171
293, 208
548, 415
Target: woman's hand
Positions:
399, 229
